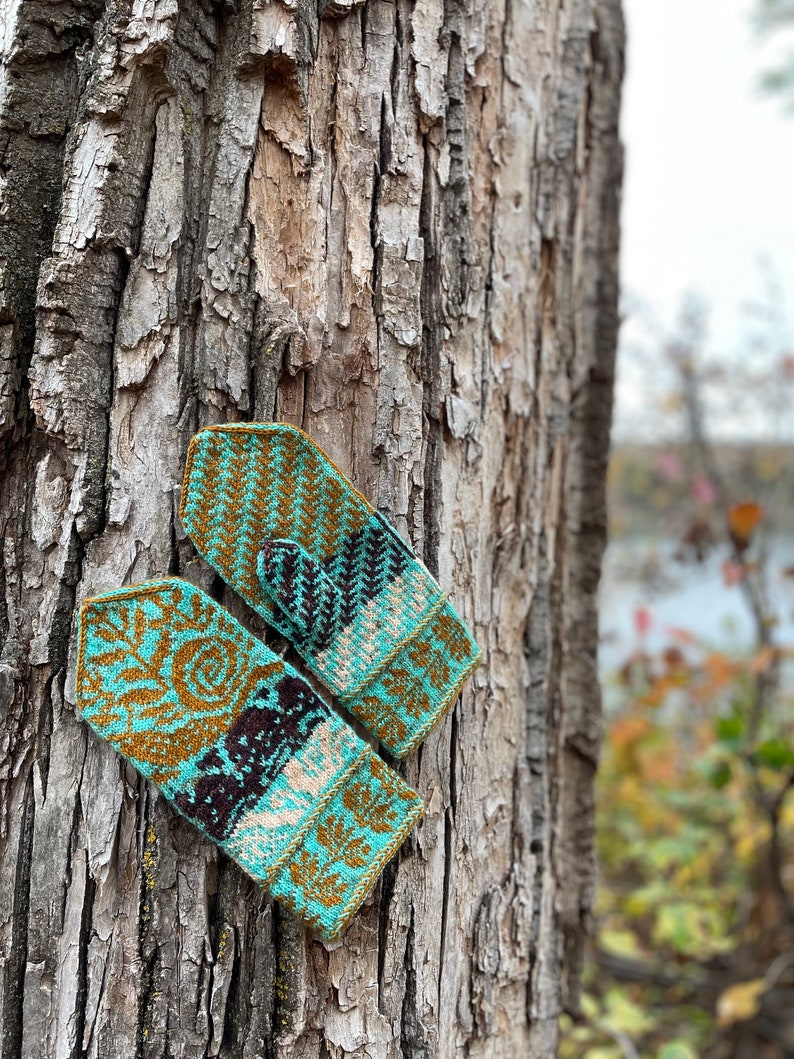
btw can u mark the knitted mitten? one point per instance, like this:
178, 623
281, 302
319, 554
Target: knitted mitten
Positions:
284, 527
242, 746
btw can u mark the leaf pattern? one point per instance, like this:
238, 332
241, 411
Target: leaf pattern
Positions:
178, 675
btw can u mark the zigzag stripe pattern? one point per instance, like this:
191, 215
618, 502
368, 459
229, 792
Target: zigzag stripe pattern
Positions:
314, 559
242, 746
365, 563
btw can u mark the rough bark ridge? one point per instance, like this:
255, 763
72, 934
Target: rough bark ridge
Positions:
394, 224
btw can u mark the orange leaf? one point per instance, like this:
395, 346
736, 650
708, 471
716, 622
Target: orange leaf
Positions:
743, 520
657, 693
628, 730
763, 660
656, 763
682, 635
719, 669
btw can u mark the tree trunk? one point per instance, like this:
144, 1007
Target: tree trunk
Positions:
395, 224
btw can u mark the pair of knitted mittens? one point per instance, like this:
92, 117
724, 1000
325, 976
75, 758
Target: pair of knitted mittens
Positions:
235, 738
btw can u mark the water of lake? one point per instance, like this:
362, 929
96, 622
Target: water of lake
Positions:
643, 572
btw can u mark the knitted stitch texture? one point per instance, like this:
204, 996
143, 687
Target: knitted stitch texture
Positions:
284, 527
242, 746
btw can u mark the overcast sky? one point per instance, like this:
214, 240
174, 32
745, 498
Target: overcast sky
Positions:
709, 178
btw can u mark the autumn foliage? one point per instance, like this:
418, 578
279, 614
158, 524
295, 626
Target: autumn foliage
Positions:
693, 943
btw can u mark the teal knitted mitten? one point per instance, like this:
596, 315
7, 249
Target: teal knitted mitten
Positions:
284, 527
242, 746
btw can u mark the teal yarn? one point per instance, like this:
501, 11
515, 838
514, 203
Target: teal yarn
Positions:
242, 746
284, 527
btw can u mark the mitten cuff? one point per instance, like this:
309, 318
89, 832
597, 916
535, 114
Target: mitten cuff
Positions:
411, 691
328, 875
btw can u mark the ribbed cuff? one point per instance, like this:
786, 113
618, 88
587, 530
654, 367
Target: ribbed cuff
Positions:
328, 875
409, 693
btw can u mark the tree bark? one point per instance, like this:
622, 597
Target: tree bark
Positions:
394, 224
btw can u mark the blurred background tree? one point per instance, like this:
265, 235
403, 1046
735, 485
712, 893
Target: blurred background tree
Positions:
694, 950
693, 947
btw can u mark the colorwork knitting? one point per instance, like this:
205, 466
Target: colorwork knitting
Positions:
284, 527
242, 746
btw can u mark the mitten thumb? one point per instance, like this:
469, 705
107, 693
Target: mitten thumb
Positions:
299, 586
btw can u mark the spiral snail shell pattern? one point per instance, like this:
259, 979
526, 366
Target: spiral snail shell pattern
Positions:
204, 671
